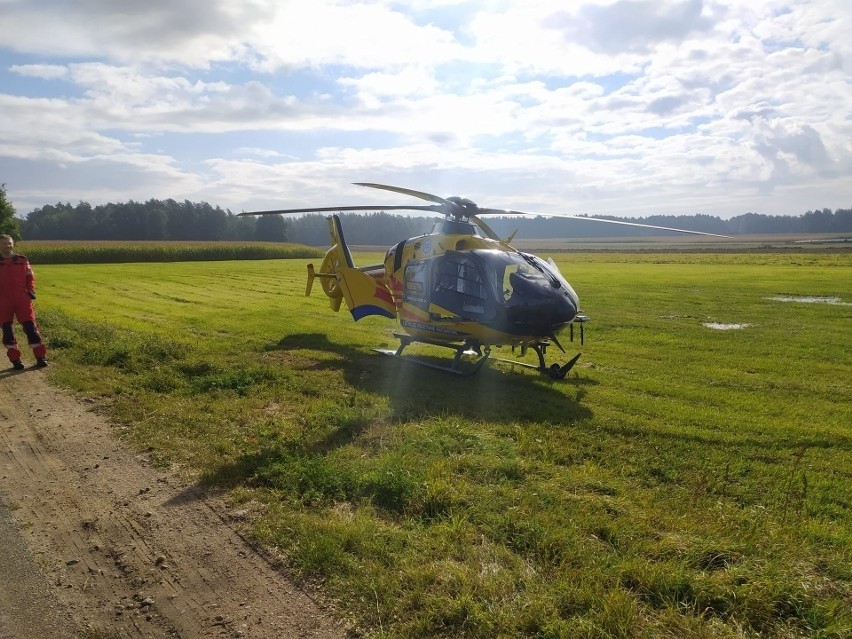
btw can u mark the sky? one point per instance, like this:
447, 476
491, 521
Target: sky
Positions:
625, 107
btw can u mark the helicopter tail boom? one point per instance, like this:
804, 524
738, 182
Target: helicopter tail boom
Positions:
362, 289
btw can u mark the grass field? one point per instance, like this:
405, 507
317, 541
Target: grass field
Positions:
681, 482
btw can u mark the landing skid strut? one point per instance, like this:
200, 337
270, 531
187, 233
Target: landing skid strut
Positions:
554, 371
460, 349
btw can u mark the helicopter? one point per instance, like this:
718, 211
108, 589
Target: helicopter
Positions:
460, 286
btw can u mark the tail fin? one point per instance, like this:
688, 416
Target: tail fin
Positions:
363, 289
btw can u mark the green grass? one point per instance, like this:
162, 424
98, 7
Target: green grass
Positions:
681, 482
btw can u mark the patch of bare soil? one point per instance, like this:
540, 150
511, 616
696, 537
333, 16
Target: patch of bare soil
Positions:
96, 543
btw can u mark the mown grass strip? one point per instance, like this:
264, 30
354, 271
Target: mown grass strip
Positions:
682, 482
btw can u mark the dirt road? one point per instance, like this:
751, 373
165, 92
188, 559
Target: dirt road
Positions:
95, 542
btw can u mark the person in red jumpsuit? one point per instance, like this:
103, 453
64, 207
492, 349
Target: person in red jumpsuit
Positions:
17, 291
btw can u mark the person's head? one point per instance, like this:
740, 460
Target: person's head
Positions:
7, 246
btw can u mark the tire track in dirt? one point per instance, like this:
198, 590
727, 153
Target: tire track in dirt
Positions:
127, 550
25, 592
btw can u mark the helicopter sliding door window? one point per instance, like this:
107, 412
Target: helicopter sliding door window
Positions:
459, 285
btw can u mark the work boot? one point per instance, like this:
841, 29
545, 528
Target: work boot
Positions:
18, 365
41, 362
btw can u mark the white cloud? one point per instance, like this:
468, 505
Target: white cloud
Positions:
191, 32
634, 107
371, 36
409, 81
44, 71
630, 26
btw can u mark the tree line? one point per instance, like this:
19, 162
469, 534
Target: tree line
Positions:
151, 220
172, 220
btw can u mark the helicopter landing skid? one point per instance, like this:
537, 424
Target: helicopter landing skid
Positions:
460, 349
554, 371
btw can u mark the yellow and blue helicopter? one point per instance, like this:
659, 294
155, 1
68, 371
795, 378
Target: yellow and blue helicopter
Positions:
459, 286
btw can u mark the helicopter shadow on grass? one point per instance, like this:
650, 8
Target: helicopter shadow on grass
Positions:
499, 392
414, 393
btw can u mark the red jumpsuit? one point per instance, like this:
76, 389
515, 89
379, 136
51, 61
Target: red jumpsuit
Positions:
17, 287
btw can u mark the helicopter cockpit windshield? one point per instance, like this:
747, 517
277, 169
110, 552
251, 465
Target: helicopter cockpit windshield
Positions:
477, 284
537, 298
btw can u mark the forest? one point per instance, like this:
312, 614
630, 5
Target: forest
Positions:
172, 220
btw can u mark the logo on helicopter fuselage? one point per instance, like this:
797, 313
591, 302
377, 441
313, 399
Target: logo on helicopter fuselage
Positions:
434, 329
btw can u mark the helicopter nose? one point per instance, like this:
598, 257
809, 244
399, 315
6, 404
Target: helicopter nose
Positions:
541, 311
566, 309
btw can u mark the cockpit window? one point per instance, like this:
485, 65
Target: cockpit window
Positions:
514, 271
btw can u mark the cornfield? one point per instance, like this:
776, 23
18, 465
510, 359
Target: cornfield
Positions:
94, 252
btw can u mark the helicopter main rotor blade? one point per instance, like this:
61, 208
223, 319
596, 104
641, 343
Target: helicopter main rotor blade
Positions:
597, 219
398, 189
460, 207
489, 232
322, 209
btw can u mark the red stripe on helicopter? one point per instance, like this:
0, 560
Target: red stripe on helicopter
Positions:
383, 295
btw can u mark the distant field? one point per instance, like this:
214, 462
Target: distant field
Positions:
802, 242
784, 242
99, 252
92, 251
690, 478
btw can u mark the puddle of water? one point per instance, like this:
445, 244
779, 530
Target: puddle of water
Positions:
725, 327
805, 299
